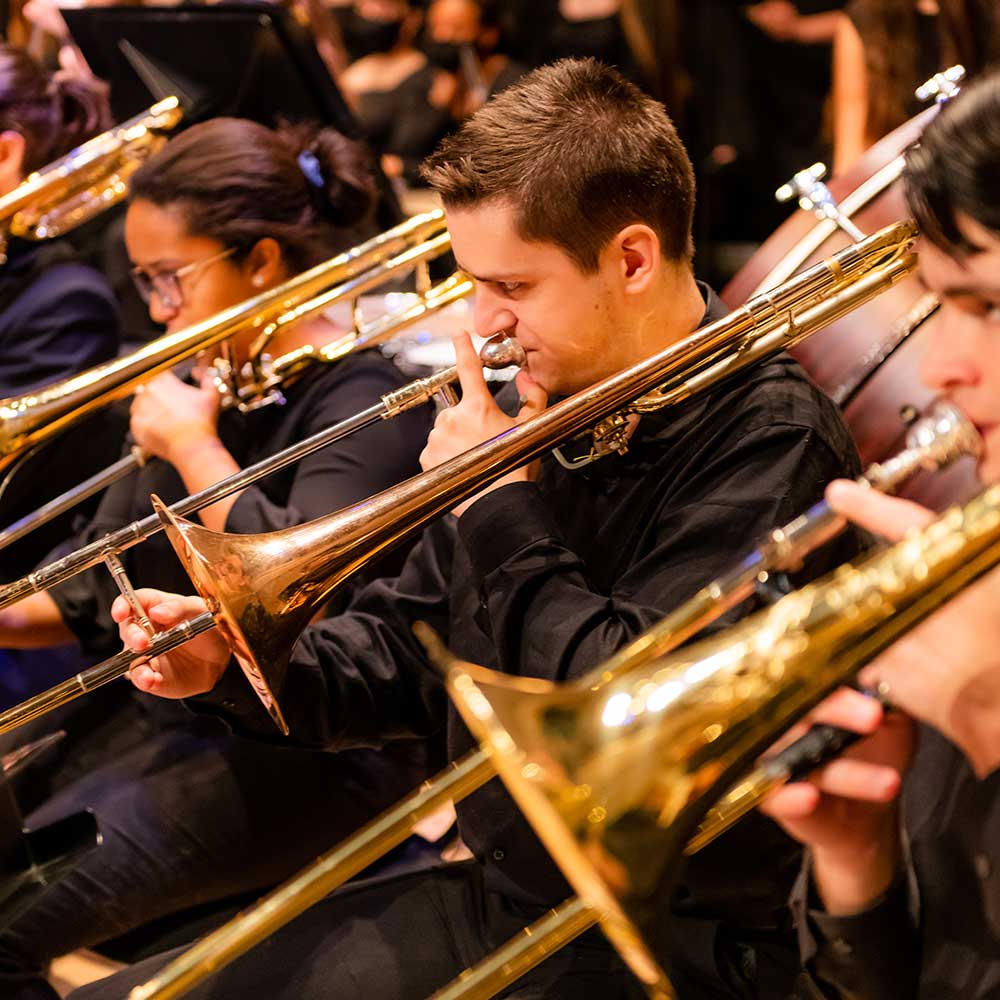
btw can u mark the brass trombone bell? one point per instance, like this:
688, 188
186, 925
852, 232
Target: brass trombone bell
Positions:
614, 781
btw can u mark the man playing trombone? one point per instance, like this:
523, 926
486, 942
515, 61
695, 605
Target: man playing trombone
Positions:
918, 915
569, 200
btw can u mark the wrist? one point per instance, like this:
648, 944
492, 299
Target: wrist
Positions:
194, 446
972, 723
848, 882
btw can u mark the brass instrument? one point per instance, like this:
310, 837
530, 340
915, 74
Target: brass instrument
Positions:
27, 420
263, 379
497, 353
38, 415
87, 180
291, 572
614, 781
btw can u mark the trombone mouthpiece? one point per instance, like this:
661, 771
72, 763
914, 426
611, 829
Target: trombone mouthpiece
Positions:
502, 351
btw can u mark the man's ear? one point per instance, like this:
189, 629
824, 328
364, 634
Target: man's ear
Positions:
637, 256
265, 264
12, 147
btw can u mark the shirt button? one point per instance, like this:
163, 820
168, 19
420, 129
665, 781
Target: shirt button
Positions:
841, 948
499, 854
983, 866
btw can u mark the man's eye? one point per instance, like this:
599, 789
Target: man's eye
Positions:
509, 287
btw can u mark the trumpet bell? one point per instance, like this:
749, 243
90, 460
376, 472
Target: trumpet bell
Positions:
615, 774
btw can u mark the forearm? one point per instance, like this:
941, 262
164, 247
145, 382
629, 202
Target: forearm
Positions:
818, 29
202, 464
33, 623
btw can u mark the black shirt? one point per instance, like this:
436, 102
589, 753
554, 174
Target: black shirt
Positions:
340, 474
58, 317
548, 579
936, 934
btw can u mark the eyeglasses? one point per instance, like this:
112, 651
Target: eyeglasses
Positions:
167, 284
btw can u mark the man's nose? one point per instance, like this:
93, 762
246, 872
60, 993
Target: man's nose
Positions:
490, 314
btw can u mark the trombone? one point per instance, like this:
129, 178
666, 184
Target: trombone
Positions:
87, 180
684, 727
316, 556
30, 419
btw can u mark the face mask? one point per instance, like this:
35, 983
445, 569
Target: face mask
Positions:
446, 55
363, 37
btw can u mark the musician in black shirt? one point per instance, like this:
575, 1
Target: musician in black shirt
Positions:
569, 200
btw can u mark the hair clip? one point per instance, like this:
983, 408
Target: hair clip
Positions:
311, 169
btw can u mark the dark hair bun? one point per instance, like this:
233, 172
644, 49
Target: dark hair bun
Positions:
348, 192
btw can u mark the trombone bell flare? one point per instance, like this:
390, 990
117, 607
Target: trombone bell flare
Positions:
614, 778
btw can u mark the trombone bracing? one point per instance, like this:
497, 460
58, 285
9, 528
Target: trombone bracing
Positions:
87, 180
292, 570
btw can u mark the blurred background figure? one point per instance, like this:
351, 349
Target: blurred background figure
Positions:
393, 88
884, 50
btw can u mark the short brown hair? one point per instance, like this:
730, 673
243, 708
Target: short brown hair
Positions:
581, 153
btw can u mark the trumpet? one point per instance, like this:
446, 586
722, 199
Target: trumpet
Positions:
292, 571
28, 420
87, 180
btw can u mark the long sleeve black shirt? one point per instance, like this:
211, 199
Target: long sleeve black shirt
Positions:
336, 476
936, 934
549, 578
58, 317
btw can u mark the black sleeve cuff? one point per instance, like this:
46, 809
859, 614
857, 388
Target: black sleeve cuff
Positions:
502, 523
234, 701
870, 954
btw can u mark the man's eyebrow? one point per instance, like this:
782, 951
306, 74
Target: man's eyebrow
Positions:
493, 278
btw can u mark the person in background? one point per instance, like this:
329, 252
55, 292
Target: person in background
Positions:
399, 97
462, 39
58, 316
884, 50
190, 815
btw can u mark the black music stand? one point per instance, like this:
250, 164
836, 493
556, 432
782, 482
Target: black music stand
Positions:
31, 860
251, 60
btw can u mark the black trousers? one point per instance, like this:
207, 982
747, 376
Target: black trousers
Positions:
396, 938
190, 815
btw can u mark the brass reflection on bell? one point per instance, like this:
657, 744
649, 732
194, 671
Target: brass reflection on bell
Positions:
614, 780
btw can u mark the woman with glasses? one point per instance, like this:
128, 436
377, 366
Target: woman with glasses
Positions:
189, 814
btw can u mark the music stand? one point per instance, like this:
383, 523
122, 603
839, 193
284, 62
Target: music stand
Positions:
31, 860
248, 60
